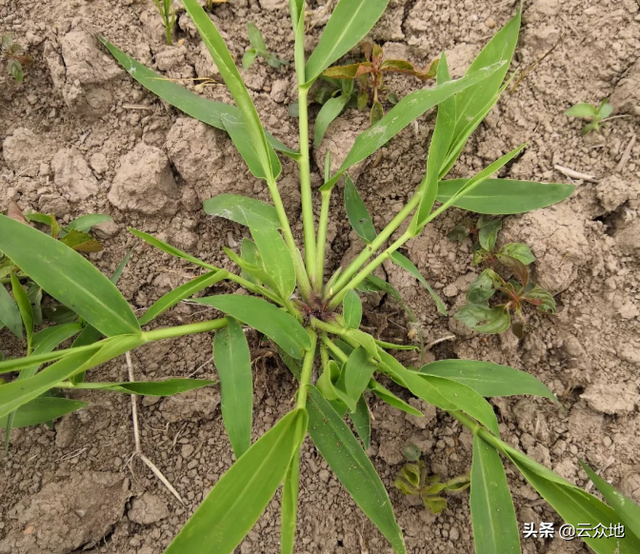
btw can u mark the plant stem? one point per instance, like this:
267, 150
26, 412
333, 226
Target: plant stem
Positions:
322, 239
307, 367
327, 327
369, 269
334, 348
370, 249
301, 275
167, 30
182, 330
305, 175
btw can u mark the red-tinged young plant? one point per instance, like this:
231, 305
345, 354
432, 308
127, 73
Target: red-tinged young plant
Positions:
315, 322
14, 56
513, 289
370, 77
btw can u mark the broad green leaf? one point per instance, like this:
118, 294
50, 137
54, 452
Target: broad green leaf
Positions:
488, 234
361, 419
266, 164
482, 288
349, 23
26, 313
274, 255
41, 410
541, 298
68, 277
233, 361
357, 212
238, 499
327, 384
466, 399
38, 218
352, 309
407, 110
581, 110
484, 319
248, 58
276, 324
440, 141
235, 207
485, 173
216, 114
387, 396
81, 242
19, 392
498, 50
504, 196
489, 379
34, 294
290, 505
86, 222
50, 338
624, 507
605, 109
168, 387
180, 293
356, 374
258, 274
255, 38
495, 528
249, 252
165, 247
331, 109
443, 393
406, 264
577, 507
10, 313
350, 463
518, 251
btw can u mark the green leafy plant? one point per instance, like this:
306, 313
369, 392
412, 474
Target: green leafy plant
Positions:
259, 48
315, 322
15, 57
413, 480
513, 257
168, 15
594, 114
370, 77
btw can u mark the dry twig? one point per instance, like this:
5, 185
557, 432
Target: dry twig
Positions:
136, 436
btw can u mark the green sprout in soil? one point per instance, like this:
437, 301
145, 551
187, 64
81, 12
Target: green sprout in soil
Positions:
413, 480
594, 114
259, 48
311, 312
512, 294
15, 57
168, 15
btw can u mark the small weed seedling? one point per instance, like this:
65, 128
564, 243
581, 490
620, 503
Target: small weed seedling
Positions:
313, 316
335, 90
370, 74
168, 15
259, 48
512, 257
15, 57
594, 114
413, 480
